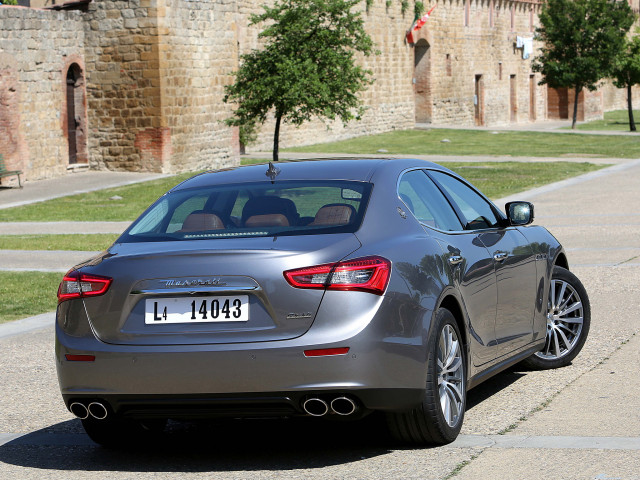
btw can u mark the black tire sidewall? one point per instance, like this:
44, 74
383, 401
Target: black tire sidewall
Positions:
431, 404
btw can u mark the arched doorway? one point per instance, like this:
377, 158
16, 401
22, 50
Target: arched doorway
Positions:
76, 116
422, 81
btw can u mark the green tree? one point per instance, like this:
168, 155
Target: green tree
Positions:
626, 73
307, 67
8, 2
581, 40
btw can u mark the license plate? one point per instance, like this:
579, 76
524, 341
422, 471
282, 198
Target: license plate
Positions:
197, 310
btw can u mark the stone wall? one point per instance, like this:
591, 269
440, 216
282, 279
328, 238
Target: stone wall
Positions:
150, 75
123, 85
37, 48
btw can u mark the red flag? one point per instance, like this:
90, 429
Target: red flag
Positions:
417, 25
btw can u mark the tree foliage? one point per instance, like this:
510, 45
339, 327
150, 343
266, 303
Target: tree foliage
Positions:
581, 40
306, 68
626, 73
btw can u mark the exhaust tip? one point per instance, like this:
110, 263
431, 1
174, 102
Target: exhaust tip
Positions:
343, 406
315, 407
98, 410
79, 410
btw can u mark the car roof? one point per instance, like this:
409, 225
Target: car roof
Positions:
308, 169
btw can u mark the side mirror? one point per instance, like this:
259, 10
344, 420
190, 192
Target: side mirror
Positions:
519, 213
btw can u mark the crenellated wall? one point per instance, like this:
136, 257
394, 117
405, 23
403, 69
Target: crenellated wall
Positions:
146, 80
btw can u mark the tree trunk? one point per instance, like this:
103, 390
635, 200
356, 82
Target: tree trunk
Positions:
276, 137
632, 124
575, 108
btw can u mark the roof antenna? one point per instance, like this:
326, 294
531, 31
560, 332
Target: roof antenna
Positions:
272, 172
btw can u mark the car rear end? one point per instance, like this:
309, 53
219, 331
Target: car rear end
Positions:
236, 299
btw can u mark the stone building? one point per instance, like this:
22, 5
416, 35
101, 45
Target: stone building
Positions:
138, 84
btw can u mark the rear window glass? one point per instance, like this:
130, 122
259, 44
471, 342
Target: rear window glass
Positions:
252, 210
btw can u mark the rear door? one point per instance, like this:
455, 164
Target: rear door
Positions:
471, 268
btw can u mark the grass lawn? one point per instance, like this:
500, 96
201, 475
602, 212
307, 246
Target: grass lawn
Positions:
480, 142
499, 179
617, 120
95, 206
25, 294
85, 242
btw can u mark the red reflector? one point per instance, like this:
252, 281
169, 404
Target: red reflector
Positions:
323, 352
80, 358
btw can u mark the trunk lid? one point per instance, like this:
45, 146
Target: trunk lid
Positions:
228, 290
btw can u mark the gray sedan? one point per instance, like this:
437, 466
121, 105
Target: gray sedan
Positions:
319, 288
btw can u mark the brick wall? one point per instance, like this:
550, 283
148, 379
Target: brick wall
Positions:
35, 49
154, 71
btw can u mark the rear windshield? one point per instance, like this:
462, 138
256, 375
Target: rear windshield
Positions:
253, 210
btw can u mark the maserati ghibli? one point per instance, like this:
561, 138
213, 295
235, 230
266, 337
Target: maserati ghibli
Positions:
326, 288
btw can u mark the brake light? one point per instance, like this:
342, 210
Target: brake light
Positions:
79, 285
367, 274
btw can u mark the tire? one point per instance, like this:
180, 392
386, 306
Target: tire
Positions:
117, 433
438, 420
568, 322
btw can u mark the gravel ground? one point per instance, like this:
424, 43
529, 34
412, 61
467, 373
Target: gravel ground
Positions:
579, 400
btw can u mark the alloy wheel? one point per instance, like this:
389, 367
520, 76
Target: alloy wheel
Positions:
565, 318
450, 370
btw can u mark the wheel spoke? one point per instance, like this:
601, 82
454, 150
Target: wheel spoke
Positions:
577, 305
552, 295
576, 320
455, 365
561, 294
556, 343
564, 338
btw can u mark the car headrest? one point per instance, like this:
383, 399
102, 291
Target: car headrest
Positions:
270, 220
199, 221
269, 205
334, 214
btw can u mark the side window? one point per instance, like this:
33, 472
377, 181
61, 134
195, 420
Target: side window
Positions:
477, 212
427, 202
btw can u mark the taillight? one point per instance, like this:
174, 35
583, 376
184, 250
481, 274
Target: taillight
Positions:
367, 274
79, 285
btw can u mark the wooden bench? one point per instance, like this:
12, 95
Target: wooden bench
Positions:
9, 173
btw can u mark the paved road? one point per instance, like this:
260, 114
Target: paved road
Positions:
579, 422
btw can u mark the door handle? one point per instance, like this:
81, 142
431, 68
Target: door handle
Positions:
500, 256
455, 259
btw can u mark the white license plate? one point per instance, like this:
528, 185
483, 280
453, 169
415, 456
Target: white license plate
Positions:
197, 310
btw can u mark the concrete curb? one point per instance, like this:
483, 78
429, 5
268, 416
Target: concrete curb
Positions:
18, 327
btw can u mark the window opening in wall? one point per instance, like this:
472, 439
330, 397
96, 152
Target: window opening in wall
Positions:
491, 7
466, 12
513, 99
448, 65
499, 70
532, 98
531, 19
75, 113
422, 81
513, 18
478, 100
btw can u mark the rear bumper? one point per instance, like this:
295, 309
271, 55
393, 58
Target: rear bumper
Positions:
269, 378
252, 405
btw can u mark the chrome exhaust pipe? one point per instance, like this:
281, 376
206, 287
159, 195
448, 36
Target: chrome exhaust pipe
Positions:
98, 410
79, 410
316, 407
343, 406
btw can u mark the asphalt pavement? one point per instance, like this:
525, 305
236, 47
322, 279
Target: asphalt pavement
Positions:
578, 422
